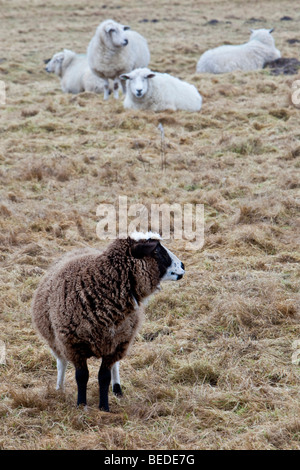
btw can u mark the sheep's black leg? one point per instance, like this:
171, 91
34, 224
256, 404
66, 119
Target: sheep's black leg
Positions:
82, 377
104, 377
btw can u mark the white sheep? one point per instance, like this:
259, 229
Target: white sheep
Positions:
90, 304
74, 72
114, 50
252, 55
159, 91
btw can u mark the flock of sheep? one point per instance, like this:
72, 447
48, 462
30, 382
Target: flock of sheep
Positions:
116, 53
90, 302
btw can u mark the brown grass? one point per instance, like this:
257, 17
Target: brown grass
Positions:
212, 367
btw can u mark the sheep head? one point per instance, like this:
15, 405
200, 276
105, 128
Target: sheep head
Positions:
138, 81
149, 246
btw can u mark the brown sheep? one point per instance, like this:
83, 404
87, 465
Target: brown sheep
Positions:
90, 304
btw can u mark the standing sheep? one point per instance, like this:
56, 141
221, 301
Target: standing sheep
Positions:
159, 91
90, 304
74, 72
114, 50
252, 55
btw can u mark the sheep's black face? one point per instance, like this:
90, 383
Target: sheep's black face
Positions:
163, 260
170, 267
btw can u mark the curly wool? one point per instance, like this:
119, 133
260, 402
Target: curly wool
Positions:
87, 303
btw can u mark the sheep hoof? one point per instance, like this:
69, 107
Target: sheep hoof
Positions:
104, 408
82, 406
117, 390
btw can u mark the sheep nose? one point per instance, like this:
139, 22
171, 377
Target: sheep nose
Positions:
139, 92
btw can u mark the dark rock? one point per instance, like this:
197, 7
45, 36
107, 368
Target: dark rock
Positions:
255, 20
284, 66
293, 41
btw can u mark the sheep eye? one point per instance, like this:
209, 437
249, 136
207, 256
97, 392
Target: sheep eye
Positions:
112, 30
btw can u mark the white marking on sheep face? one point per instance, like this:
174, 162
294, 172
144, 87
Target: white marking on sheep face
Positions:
176, 270
137, 236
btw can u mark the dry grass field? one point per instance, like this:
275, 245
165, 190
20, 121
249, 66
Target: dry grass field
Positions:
212, 366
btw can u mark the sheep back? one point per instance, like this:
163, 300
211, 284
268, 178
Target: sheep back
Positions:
246, 57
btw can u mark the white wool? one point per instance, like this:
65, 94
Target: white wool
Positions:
159, 91
137, 236
252, 55
115, 49
74, 72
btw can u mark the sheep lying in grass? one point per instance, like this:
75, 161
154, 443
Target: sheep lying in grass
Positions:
114, 50
252, 55
159, 91
90, 304
74, 72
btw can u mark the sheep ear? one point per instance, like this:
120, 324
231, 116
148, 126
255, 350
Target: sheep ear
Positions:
271, 30
126, 28
124, 77
143, 248
150, 75
109, 29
